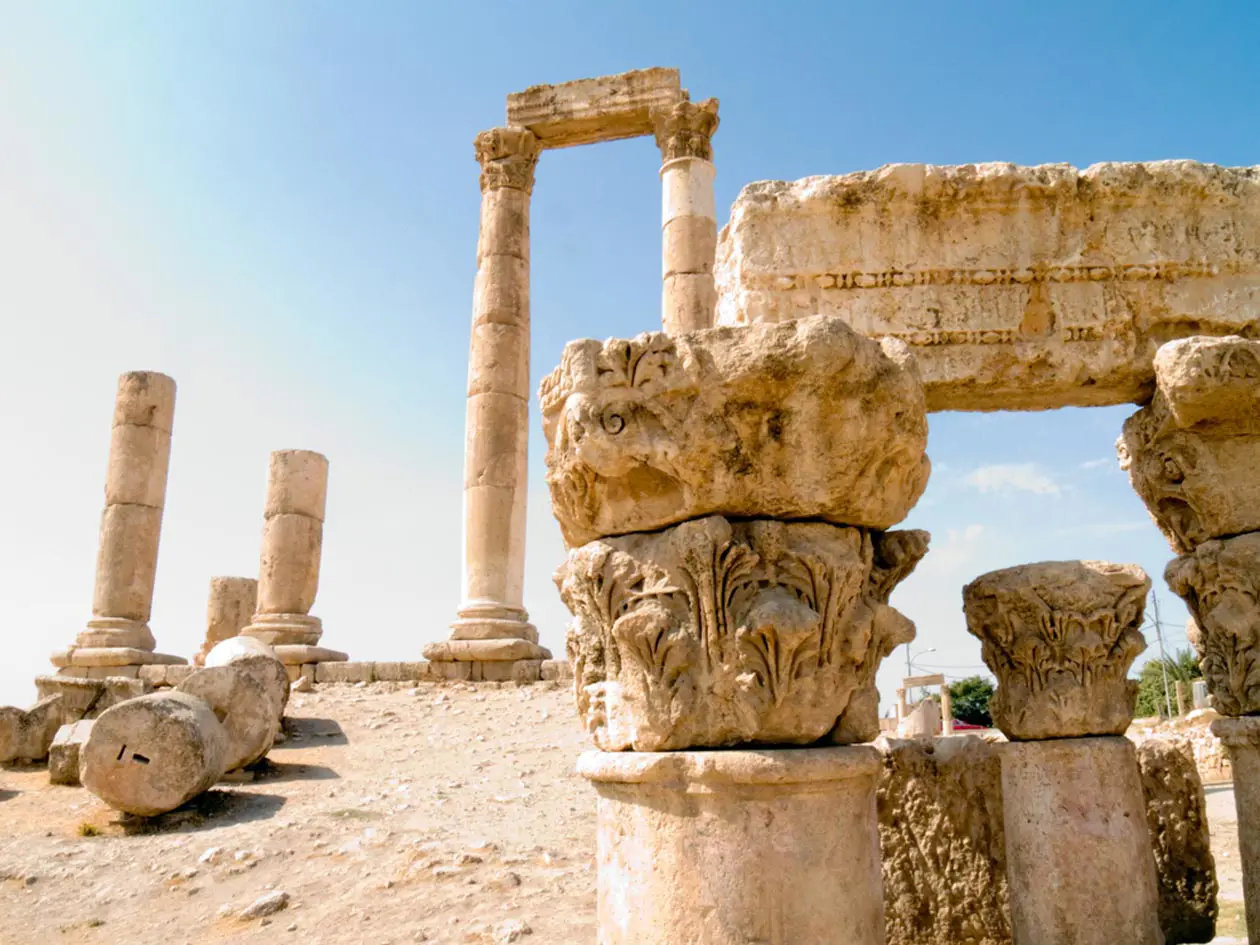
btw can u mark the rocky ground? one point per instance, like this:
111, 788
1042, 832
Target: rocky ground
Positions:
391, 814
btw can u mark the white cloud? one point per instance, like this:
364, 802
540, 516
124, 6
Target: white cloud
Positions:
1104, 463
1005, 478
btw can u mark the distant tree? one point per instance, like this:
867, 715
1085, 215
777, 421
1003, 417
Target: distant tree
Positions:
970, 700
1182, 666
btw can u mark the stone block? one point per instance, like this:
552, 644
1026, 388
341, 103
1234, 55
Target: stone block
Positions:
802, 420
26, 734
177, 674
586, 111
401, 672
63, 754
485, 651
942, 841
88, 698
345, 672
1176, 814
298, 654
1016, 287
110, 672
450, 669
155, 674
555, 670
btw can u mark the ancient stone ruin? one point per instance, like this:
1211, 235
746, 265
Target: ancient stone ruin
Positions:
728, 489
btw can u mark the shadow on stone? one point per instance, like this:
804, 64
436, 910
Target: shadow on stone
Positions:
8, 795
215, 808
327, 731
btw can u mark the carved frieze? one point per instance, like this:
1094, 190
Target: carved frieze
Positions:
802, 420
717, 633
1220, 583
1060, 636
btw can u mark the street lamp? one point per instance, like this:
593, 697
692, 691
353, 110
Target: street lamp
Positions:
910, 663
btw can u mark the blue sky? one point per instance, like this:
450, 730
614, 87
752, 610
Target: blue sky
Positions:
277, 205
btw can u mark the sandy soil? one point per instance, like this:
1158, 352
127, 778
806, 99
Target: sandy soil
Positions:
444, 814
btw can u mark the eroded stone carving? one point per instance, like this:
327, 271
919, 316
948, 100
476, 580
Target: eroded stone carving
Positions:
1193, 453
717, 633
943, 845
686, 129
1060, 637
508, 157
805, 419
1176, 813
1220, 583
1017, 287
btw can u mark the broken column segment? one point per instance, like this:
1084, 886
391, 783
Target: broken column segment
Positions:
292, 541
231, 607
118, 640
1060, 636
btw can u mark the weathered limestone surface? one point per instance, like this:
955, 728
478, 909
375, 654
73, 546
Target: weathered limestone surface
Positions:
88, 698
587, 111
1060, 636
943, 843
805, 419
1078, 850
1220, 583
735, 847
259, 661
1193, 453
1241, 737
232, 603
1176, 814
249, 714
717, 633
149, 755
63, 753
1017, 287
25, 734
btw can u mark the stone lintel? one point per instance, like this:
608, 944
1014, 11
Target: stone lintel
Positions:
913, 682
587, 111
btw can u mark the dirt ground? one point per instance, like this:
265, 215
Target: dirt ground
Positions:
391, 814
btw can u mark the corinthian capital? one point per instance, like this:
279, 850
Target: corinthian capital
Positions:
507, 157
686, 129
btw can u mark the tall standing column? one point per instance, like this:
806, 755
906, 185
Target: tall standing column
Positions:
491, 624
118, 634
288, 574
684, 133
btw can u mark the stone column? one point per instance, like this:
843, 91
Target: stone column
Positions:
1060, 636
733, 847
491, 624
230, 609
288, 576
684, 133
118, 635
947, 711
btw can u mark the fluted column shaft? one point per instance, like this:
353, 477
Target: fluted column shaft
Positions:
292, 541
497, 431
688, 215
135, 493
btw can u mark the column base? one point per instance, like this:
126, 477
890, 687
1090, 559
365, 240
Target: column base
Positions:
117, 632
775, 846
485, 651
285, 629
488, 620
1078, 851
111, 656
